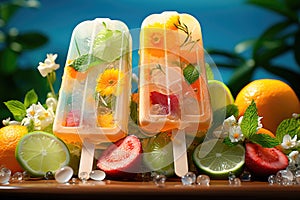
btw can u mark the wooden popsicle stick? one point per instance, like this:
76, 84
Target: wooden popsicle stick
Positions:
179, 152
87, 157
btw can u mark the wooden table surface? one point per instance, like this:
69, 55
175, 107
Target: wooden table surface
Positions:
50, 189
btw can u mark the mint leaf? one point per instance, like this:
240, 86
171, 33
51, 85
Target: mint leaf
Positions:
289, 126
110, 45
264, 140
17, 108
250, 120
84, 62
228, 142
191, 73
232, 109
30, 98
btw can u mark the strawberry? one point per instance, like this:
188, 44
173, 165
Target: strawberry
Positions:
72, 118
163, 101
122, 158
263, 162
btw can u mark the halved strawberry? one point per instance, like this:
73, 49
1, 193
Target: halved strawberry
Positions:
72, 118
121, 158
263, 162
169, 103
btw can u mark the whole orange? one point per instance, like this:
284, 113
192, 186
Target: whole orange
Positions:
9, 138
275, 101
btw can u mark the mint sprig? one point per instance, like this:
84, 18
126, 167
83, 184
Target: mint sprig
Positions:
249, 128
84, 62
18, 109
250, 120
290, 126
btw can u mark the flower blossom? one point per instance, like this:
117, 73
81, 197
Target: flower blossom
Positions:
48, 65
288, 142
294, 157
40, 117
235, 133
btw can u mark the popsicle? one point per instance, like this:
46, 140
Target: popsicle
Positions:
173, 85
93, 104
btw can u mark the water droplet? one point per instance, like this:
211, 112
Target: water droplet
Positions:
4, 175
284, 177
159, 179
97, 175
17, 176
231, 176
64, 174
189, 178
26, 175
245, 176
235, 181
49, 175
272, 179
83, 176
297, 176
203, 180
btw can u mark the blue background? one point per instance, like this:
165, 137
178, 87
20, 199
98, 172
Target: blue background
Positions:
223, 23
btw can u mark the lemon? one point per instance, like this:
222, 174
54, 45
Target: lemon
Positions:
220, 94
217, 159
39, 152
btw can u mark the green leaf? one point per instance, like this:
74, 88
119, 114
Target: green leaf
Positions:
84, 62
275, 30
264, 140
232, 109
240, 77
250, 120
191, 73
31, 40
17, 108
290, 127
30, 98
276, 6
226, 54
8, 64
228, 142
7, 11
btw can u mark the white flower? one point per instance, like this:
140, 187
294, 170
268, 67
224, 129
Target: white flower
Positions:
51, 103
288, 142
235, 133
229, 122
49, 65
294, 157
7, 122
39, 115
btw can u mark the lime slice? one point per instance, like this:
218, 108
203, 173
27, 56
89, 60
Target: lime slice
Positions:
217, 159
158, 154
220, 95
109, 45
39, 152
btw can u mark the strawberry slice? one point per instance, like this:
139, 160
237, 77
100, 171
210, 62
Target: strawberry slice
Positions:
121, 158
72, 118
263, 162
163, 100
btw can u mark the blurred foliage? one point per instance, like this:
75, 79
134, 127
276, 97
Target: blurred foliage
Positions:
16, 80
280, 38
